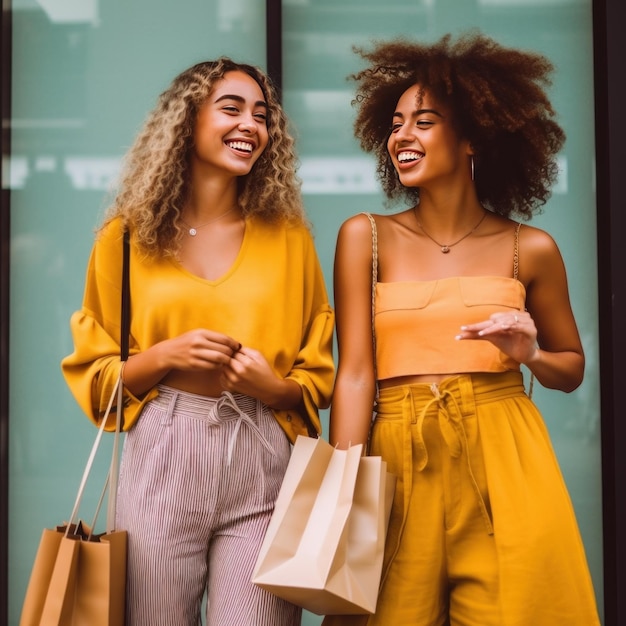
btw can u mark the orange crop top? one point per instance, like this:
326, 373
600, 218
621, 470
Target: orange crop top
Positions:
416, 322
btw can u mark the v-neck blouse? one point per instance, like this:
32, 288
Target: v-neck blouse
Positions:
272, 299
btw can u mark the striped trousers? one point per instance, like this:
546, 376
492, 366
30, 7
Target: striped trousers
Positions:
198, 481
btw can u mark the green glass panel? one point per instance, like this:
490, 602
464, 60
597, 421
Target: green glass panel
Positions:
85, 74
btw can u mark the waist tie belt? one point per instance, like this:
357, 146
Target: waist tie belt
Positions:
450, 419
227, 407
454, 398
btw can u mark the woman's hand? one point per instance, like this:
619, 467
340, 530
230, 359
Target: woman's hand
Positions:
512, 332
248, 372
199, 350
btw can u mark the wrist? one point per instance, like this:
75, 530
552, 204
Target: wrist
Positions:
534, 357
285, 395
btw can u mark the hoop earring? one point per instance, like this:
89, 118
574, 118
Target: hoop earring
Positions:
472, 165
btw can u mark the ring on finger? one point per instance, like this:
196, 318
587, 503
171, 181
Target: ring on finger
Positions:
515, 318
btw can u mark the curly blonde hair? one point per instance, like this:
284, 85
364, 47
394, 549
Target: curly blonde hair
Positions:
498, 101
154, 184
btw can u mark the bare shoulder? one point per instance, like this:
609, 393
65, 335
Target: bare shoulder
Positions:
357, 232
358, 225
355, 243
540, 257
537, 243
361, 223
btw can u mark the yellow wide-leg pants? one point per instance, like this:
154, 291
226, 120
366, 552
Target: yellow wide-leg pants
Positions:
482, 530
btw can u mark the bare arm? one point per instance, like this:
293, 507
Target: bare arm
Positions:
353, 397
545, 337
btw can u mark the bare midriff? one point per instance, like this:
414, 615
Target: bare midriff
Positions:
410, 380
200, 383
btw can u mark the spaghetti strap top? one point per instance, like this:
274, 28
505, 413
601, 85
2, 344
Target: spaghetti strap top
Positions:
416, 322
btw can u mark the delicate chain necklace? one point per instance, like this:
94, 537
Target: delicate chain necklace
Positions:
445, 247
193, 230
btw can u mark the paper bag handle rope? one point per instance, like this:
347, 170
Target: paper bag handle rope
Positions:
118, 395
374, 281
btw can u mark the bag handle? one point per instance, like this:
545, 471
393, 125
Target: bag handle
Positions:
124, 351
374, 281
516, 277
125, 314
116, 395
92, 455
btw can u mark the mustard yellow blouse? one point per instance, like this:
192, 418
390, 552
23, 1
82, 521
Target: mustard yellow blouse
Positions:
272, 299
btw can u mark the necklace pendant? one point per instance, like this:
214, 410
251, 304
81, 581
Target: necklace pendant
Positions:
193, 232
445, 249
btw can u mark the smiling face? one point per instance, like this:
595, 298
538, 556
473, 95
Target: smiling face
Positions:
231, 127
424, 145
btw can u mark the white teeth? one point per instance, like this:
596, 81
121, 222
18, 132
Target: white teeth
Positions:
409, 156
240, 145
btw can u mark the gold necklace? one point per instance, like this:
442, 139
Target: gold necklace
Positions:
193, 230
445, 247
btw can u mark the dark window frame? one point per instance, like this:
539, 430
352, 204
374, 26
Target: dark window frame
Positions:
609, 19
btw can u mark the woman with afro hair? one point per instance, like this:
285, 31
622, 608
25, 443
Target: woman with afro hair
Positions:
230, 344
437, 307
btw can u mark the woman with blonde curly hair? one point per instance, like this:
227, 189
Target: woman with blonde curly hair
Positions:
230, 344
437, 307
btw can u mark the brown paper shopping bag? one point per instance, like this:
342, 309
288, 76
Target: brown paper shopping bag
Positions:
324, 545
79, 578
76, 580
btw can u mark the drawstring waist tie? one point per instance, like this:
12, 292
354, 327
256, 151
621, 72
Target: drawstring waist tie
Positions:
449, 401
226, 408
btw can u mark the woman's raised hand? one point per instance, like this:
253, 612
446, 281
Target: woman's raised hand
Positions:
512, 332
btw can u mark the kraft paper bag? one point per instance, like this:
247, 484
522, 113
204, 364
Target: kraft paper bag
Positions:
77, 580
78, 577
324, 546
